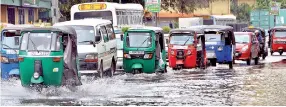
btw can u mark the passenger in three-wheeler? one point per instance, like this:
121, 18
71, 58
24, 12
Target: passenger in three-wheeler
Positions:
144, 50
260, 34
247, 47
277, 39
10, 37
187, 49
220, 44
48, 57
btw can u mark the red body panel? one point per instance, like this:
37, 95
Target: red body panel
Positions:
275, 47
244, 55
189, 61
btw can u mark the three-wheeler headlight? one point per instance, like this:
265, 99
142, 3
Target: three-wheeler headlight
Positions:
36, 75
148, 56
126, 56
172, 52
4, 59
189, 52
219, 48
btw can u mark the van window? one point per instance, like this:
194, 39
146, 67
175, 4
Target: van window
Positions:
110, 32
104, 33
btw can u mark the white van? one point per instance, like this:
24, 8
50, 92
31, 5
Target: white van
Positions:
96, 45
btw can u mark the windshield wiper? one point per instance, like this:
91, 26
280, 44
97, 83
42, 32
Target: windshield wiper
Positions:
186, 41
34, 46
86, 41
144, 41
9, 48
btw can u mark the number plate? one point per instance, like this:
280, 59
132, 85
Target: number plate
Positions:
136, 52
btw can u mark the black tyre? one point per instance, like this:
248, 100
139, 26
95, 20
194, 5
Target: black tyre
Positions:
264, 56
230, 65
100, 70
280, 53
213, 62
110, 72
256, 60
271, 52
165, 69
248, 61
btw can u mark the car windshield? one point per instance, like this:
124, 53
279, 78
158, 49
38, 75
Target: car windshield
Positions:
213, 37
119, 43
85, 34
242, 38
40, 42
10, 42
280, 33
182, 39
139, 40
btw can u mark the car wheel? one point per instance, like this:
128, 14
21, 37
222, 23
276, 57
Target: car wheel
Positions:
112, 69
100, 70
280, 53
248, 61
256, 60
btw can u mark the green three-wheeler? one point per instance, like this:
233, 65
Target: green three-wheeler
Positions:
144, 50
48, 57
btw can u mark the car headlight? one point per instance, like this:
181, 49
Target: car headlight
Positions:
126, 56
148, 56
244, 48
189, 52
219, 48
36, 75
4, 59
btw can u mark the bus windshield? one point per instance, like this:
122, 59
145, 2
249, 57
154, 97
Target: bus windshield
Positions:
85, 34
94, 14
280, 33
139, 40
11, 42
182, 39
40, 42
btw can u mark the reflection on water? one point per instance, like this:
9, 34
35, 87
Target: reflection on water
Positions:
261, 84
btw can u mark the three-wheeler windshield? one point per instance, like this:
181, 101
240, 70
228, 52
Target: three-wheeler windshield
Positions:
182, 39
213, 37
40, 42
280, 33
10, 42
139, 40
239, 38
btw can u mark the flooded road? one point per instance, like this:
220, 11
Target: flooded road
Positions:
262, 84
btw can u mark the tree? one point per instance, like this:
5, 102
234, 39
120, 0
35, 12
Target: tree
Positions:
242, 11
264, 4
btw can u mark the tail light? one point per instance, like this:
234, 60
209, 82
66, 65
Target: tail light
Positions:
57, 59
20, 59
91, 58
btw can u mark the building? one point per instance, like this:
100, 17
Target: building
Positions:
25, 11
249, 2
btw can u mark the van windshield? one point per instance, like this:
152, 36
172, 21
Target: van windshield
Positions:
280, 33
181, 39
85, 34
40, 42
10, 42
139, 40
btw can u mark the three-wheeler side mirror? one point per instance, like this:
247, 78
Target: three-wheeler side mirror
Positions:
121, 37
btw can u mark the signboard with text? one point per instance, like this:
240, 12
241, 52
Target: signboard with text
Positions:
30, 3
274, 8
153, 5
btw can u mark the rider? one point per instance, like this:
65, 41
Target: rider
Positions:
259, 37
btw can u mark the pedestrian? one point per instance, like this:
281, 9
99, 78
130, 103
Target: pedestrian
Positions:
171, 25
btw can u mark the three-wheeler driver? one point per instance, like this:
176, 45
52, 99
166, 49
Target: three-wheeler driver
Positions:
220, 44
144, 50
187, 49
277, 39
10, 41
48, 57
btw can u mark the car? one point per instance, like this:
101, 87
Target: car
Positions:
247, 47
97, 46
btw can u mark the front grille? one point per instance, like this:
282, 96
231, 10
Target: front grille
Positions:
137, 56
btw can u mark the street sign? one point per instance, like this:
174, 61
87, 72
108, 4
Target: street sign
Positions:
30, 3
153, 5
274, 8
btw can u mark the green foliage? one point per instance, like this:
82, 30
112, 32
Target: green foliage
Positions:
264, 4
176, 24
242, 12
166, 29
124, 29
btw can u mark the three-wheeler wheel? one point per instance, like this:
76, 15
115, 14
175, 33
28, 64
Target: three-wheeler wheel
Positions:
230, 64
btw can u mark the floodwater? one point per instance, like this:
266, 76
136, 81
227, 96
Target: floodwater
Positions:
262, 84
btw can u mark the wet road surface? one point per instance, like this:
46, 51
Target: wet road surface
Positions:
262, 84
